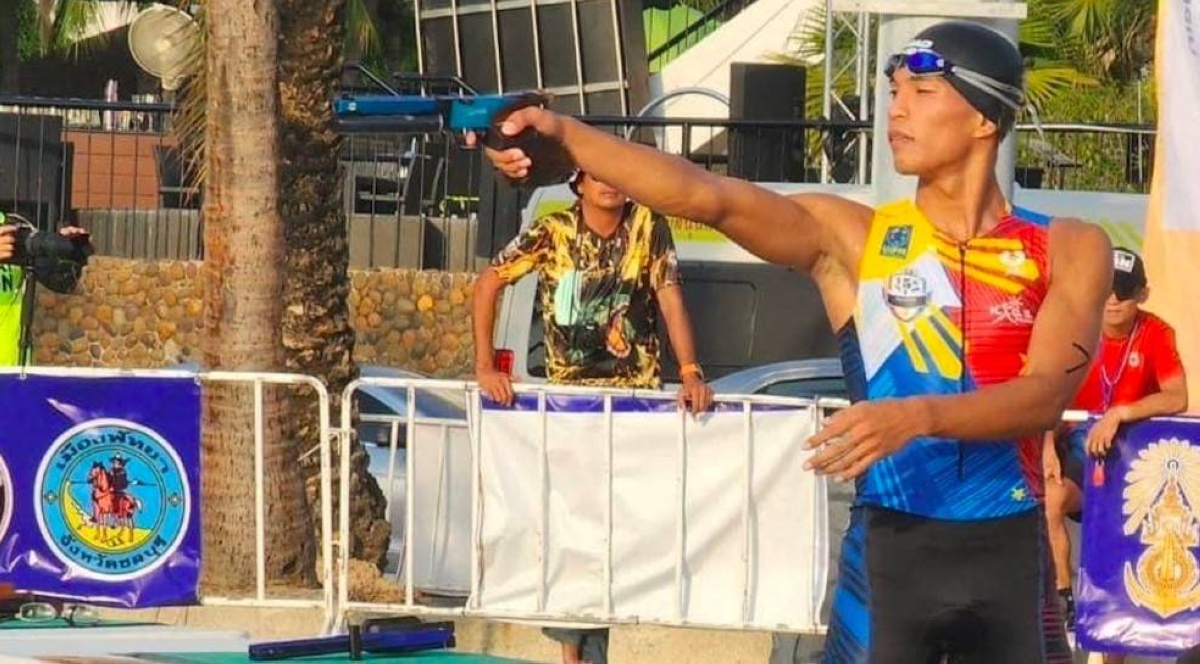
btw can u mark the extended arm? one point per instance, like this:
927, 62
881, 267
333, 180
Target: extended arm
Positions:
792, 231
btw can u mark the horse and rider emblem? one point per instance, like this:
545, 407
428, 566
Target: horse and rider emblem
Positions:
113, 499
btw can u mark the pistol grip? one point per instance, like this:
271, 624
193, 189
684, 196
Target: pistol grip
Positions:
551, 163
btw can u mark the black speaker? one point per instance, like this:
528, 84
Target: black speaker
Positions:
766, 92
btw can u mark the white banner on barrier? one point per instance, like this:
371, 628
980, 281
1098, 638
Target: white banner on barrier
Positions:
549, 474
442, 514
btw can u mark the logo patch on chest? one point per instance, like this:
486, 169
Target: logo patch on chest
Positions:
1013, 312
1013, 261
907, 295
896, 242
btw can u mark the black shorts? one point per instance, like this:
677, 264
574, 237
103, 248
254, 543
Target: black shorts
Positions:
1069, 458
913, 590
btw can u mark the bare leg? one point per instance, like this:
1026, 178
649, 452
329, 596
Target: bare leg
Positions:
1061, 500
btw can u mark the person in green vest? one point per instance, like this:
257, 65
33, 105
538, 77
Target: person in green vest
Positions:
59, 272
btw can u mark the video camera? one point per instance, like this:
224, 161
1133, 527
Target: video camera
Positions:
33, 244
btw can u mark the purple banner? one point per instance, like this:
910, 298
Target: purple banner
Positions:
1139, 576
100, 488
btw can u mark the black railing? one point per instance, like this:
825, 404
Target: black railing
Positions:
757, 150
1087, 157
112, 167
413, 199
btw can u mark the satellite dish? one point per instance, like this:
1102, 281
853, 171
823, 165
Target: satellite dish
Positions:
162, 40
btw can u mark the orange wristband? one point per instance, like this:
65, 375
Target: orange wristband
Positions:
691, 368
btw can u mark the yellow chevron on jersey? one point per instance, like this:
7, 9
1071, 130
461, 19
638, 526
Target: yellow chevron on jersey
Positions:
902, 270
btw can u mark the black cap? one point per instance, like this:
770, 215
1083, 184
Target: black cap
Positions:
981, 49
1129, 273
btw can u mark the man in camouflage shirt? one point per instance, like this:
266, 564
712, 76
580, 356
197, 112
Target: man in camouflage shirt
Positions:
606, 270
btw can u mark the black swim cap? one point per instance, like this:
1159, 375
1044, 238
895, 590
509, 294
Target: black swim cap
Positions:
982, 50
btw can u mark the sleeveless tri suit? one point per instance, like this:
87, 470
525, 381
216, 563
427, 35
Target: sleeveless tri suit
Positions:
946, 553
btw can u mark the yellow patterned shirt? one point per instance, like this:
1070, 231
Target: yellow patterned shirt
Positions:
597, 294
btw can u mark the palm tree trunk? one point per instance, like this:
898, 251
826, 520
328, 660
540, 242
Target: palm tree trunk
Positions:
316, 322
243, 244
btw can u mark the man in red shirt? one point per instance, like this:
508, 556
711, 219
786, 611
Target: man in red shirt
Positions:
1136, 374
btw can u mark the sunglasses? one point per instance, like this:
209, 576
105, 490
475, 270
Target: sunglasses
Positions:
76, 615
926, 62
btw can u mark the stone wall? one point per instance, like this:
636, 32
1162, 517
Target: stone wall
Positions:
420, 321
148, 314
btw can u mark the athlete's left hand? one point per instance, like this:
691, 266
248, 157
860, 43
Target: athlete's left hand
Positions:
1100, 437
858, 436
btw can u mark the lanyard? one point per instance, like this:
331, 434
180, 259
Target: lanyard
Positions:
1108, 386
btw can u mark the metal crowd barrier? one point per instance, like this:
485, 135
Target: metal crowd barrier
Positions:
261, 599
335, 593
257, 382
466, 603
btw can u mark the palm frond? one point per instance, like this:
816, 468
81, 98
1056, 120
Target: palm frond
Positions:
1046, 80
191, 100
71, 20
1038, 32
45, 23
1086, 18
361, 32
808, 42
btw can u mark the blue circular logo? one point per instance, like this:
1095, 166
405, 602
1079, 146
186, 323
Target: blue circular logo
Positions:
112, 499
6, 499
